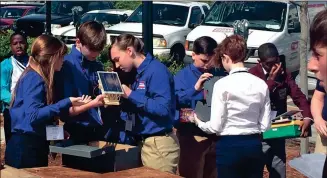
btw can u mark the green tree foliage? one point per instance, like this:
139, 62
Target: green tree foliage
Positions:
103, 57
5, 44
131, 5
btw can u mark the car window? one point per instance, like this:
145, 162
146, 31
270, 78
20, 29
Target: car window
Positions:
163, 14
31, 11
104, 18
195, 15
206, 10
62, 7
293, 17
11, 13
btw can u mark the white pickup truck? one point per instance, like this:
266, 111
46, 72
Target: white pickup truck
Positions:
172, 21
107, 17
276, 22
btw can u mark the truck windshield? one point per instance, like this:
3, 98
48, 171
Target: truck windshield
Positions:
164, 14
58, 7
11, 13
105, 18
262, 15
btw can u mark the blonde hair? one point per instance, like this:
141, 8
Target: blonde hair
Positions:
45, 51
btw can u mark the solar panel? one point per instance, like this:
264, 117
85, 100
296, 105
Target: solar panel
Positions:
110, 82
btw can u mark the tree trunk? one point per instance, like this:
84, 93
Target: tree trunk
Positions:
303, 62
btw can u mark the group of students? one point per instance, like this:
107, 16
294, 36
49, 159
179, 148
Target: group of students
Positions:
54, 85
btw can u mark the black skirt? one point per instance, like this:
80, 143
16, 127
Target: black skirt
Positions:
27, 151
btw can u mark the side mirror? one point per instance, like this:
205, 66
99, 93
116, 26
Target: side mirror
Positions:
125, 16
202, 18
295, 27
192, 25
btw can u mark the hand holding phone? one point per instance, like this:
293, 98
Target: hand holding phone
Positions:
199, 84
275, 71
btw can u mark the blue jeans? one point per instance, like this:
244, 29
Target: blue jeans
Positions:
239, 156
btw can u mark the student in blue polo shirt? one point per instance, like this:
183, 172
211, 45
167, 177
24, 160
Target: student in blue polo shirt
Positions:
189, 89
149, 105
33, 106
79, 77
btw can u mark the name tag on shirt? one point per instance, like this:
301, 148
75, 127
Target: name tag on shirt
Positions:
129, 125
55, 132
130, 122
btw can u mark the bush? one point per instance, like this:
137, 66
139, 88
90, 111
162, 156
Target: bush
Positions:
131, 5
103, 57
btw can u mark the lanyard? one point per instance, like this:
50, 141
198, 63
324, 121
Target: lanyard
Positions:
241, 71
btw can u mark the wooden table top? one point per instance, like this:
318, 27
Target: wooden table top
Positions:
64, 172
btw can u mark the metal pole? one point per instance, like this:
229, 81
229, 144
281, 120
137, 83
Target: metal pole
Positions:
303, 60
147, 26
48, 18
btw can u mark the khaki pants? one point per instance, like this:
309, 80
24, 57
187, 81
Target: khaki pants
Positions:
321, 145
161, 152
198, 157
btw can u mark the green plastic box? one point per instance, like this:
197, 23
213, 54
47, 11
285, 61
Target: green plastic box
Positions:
290, 131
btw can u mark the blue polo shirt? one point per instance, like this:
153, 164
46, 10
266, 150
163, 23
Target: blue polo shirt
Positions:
187, 96
324, 110
152, 101
78, 77
30, 113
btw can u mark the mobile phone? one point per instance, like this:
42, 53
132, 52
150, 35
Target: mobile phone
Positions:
283, 62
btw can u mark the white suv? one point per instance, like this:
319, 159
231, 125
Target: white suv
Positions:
172, 21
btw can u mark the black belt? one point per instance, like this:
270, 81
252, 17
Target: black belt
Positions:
165, 132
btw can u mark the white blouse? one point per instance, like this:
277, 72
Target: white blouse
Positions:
240, 105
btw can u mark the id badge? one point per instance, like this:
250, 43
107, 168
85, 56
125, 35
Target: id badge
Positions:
130, 122
129, 125
55, 132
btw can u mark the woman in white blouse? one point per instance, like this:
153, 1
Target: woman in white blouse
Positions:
240, 112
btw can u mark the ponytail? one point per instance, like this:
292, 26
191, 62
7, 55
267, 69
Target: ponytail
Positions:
127, 40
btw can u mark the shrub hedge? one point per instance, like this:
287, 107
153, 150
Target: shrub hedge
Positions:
103, 57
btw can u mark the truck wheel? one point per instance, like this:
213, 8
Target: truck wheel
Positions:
177, 53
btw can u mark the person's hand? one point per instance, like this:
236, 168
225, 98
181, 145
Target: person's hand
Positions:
78, 101
196, 120
199, 84
275, 71
100, 86
98, 101
320, 125
86, 99
305, 127
127, 91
